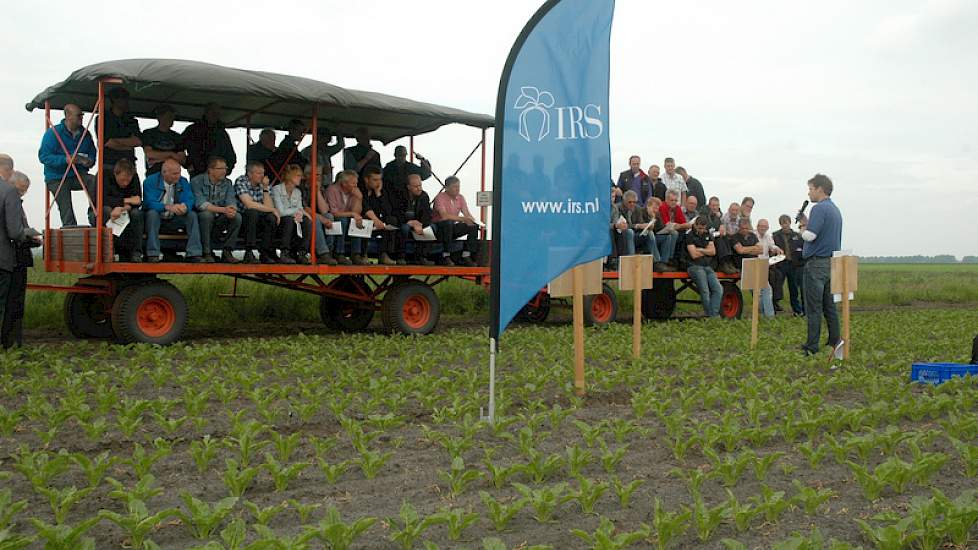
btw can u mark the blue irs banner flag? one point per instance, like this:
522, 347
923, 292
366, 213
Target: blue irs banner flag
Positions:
553, 159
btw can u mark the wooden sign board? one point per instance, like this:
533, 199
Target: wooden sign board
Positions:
753, 274
627, 270
563, 285
851, 276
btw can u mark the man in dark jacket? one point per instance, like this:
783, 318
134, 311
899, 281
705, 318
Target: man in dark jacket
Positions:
416, 217
634, 179
396, 173
16, 240
205, 139
360, 157
695, 189
789, 241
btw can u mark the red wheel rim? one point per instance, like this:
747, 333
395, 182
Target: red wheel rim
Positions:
416, 312
155, 317
601, 308
729, 304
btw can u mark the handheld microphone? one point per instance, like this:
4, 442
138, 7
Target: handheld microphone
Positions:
801, 211
418, 156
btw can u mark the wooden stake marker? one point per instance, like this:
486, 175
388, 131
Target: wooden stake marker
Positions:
635, 274
753, 277
576, 282
845, 280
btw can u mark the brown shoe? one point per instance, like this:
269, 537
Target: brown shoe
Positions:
227, 256
359, 260
384, 259
467, 262
446, 261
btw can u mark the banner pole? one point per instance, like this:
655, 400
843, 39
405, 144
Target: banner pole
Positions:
492, 381
637, 314
579, 386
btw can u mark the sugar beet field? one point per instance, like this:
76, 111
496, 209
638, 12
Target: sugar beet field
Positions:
371, 441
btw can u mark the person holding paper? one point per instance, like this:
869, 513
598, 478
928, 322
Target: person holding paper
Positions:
452, 220
672, 215
380, 206
417, 217
217, 209
122, 196
294, 222
768, 248
346, 203
791, 243
16, 240
662, 244
823, 237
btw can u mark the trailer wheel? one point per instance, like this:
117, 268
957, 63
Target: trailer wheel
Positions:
88, 315
732, 301
537, 313
150, 313
411, 308
601, 309
659, 302
345, 315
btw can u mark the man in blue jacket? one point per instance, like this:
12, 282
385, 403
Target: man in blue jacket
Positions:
169, 203
55, 161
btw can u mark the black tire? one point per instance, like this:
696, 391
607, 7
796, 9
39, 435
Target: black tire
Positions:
732, 301
89, 315
539, 313
153, 312
411, 308
659, 302
601, 309
345, 315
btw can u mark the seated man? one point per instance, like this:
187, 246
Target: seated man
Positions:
452, 219
381, 207
791, 244
346, 204
658, 187
663, 243
700, 250
122, 195
162, 143
671, 213
620, 234
714, 217
691, 208
55, 161
294, 220
323, 219
259, 218
169, 204
217, 209
746, 209
416, 215
634, 216
397, 171
745, 244
730, 220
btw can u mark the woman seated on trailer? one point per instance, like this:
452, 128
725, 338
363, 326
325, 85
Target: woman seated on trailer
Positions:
294, 226
381, 207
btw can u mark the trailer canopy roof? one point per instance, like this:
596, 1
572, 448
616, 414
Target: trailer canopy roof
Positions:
272, 100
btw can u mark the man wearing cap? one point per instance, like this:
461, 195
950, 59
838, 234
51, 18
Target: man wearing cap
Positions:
205, 139
121, 132
55, 160
162, 143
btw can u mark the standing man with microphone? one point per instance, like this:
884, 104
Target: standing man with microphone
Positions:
822, 237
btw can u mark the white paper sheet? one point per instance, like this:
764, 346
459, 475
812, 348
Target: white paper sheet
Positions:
368, 228
298, 230
337, 229
427, 234
119, 224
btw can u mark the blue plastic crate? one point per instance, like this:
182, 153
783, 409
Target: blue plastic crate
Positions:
938, 373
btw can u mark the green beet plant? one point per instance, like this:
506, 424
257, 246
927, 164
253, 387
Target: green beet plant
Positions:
543, 500
669, 526
409, 526
624, 491
501, 513
137, 523
607, 537
201, 518
263, 516
283, 474
459, 477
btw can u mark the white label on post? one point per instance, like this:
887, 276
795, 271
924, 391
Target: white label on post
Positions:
483, 198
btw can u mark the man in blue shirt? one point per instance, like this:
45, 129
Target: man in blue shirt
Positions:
55, 160
169, 203
822, 237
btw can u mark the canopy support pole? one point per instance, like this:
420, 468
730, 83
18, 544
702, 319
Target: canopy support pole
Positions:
482, 185
100, 176
313, 182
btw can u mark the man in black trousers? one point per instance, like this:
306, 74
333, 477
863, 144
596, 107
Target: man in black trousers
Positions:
16, 240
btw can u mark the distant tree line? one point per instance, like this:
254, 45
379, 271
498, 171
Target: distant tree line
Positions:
918, 259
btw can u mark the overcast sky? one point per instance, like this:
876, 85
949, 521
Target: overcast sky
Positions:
751, 97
